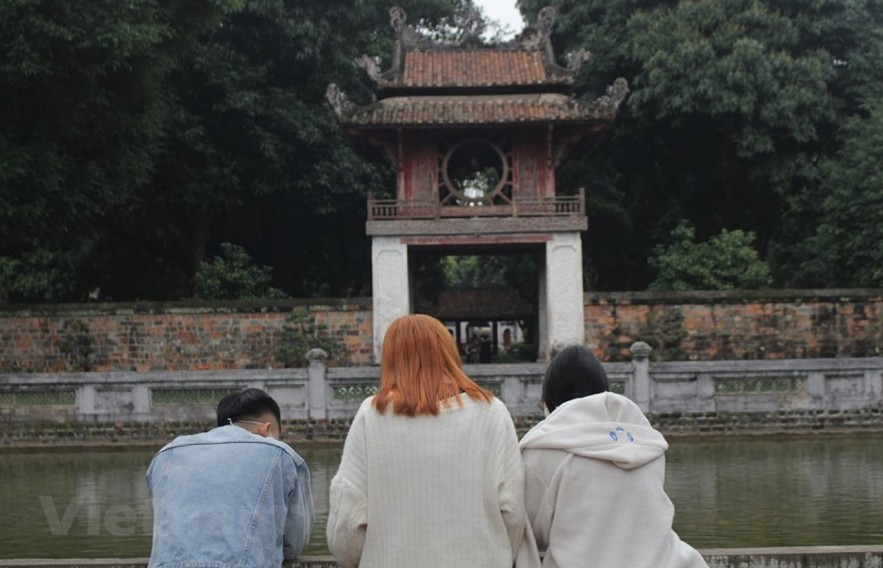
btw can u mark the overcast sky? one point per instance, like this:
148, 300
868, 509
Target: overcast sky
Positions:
503, 11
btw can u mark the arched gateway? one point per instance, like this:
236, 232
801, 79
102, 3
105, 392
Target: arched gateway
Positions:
475, 135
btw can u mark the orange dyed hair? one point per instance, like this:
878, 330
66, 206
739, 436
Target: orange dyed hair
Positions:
420, 366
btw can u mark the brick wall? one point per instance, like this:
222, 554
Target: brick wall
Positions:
168, 337
776, 324
780, 324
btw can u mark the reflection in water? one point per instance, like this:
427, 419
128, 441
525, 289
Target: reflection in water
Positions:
726, 494
66, 505
778, 493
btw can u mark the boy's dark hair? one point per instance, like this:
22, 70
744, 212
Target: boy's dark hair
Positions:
247, 404
573, 373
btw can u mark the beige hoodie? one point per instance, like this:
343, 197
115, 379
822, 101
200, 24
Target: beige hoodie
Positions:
594, 475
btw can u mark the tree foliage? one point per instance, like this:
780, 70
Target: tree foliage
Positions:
81, 121
664, 331
518, 272
849, 238
233, 276
254, 154
733, 106
724, 262
300, 334
137, 136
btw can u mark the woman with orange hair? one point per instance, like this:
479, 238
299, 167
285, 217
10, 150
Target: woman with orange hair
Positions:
431, 474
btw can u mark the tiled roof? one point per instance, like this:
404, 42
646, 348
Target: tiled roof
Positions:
489, 109
474, 68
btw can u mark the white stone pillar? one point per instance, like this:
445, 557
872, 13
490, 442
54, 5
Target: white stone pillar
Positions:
565, 319
542, 334
391, 290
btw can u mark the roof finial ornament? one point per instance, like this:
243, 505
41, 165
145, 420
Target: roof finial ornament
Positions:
473, 26
371, 65
575, 59
616, 93
545, 21
397, 18
338, 100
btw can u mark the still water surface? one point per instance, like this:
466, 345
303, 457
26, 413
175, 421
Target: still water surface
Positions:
726, 494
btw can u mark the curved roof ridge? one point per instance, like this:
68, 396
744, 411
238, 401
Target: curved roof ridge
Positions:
421, 63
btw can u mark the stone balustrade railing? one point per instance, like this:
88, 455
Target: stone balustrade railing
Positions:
786, 557
322, 393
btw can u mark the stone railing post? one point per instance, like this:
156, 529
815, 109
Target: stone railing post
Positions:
510, 391
86, 399
641, 379
141, 399
317, 403
816, 389
874, 384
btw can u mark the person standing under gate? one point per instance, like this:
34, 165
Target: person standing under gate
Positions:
233, 496
431, 475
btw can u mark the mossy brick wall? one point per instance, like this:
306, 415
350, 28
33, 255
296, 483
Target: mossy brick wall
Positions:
775, 324
779, 324
168, 337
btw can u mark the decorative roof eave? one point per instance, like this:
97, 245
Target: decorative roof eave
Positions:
436, 111
533, 50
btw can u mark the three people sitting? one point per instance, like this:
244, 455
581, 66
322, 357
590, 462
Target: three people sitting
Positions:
432, 475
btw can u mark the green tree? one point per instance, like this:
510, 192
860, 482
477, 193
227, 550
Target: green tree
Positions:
733, 105
234, 276
80, 121
848, 243
138, 135
515, 271
81, 124
727, 261
253, 153
664, 331
301, 333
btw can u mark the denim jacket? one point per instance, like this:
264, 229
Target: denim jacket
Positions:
228, 498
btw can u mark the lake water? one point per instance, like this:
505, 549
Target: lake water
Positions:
800, 492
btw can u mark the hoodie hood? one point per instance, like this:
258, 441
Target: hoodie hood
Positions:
604, 426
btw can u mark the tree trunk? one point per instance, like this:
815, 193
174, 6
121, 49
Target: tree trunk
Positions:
199, 239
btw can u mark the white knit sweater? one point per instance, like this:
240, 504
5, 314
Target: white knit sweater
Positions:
428, 491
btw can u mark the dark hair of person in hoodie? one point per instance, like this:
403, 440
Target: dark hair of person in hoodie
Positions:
574, 372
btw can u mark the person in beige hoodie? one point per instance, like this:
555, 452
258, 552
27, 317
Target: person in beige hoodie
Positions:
594, 475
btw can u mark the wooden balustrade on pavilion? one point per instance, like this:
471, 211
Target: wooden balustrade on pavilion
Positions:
555, 206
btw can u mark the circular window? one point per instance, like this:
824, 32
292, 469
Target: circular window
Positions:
475, 171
